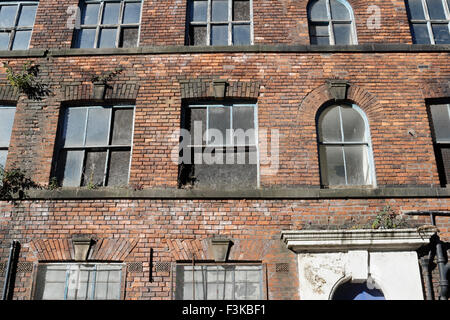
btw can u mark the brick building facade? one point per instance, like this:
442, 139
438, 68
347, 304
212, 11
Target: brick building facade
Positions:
285, 218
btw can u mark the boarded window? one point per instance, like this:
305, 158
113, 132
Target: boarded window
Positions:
109, 24
16, 24
78, 281
219, 282
440, 116
95, 146
6, 124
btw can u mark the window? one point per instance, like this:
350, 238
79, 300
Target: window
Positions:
220, 22
222, 150
331, 22
79, 281
429, 20
16, 24
440, 115
95, 146
344, 147
109, 24
6, 124
219, 282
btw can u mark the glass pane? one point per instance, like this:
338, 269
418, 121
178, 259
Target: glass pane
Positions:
86, 38
3, 155
436, 9
129, 38
241, 10
132, 13
197, 35
98, 126
330, 125
339, 11
122, 126
6, 124
107, 38
94, 170
353, 125
219, 10
27, 16
441, 122
21, 40
111, 13
118, 168
113, 292
420, 34
219, 122
332, 165
318, 10
199, 10
320, 40
71, 163
342, 33
241, 34
357, 162
4, 40
74, 127
415, 9
319, 30
219, 35
243, 118
441, 33
7, 16
90, 14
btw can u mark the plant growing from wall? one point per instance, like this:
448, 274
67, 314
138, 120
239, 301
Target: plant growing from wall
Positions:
14, 183
387, 219
101, 82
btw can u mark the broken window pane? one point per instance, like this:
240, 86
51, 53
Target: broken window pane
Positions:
98, 126
4, 40
332, 165
128, 38
21, 40
219, 10
339, 11
219, 35
27, 16
199, 10
7, 15
94, 170
357, 165
441, 122
219, 120
415, 9
420, 33
6, 124
71, 162
198, 35
111, 13
319, 30
353, 125
107, 38
241, 34
436, 9
122, 126
118, 168
74, 126
90, 14
318, 10
441, 33
330, 125
86, 38
241, 10
132, 12
342, 33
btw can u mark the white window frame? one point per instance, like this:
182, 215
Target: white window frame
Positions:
429, 22
16, 28
100, 25
230, 22
367, 143
331, 22
106, 147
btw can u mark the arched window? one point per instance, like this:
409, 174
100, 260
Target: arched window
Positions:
331, 22
357, 291
430, 21
344, 146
